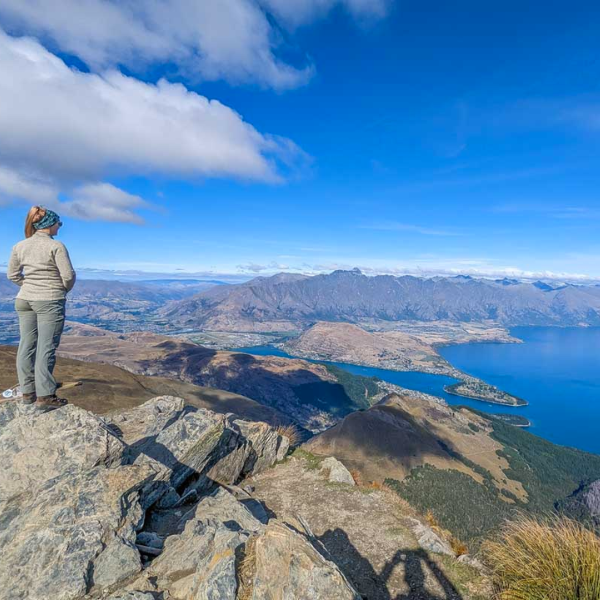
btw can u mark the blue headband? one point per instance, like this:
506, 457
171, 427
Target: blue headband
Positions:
49, 219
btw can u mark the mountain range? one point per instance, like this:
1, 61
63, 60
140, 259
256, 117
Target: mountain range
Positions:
287, 302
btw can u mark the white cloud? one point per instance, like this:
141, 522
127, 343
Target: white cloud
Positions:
103, 202
210, 39
61, 128
89, 202
21, 185
71, 123
272, 267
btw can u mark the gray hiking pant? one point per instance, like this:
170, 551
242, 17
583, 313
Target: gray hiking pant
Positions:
41, 324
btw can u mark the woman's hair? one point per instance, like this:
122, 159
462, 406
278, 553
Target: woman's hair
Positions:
35, 214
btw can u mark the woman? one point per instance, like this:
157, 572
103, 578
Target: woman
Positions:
41, 266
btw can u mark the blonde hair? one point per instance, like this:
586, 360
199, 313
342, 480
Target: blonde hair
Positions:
35, 214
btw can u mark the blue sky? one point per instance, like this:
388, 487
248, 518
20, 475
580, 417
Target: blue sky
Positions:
393, 136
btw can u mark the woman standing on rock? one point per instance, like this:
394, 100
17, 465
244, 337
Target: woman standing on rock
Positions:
41, 266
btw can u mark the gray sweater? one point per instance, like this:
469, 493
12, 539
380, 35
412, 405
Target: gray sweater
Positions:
41, 266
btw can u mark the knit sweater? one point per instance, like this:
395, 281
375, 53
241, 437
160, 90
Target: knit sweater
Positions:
41, 266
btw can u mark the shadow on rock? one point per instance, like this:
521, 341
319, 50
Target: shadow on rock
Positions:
376, 586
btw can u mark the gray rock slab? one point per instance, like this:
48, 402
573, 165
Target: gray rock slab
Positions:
266, 446
200, 563
36, 447
428, 539
148, 419
336, 472
287, 566
71, 534
192, 448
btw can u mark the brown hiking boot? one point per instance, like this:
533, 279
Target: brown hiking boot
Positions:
51, 401
28, 398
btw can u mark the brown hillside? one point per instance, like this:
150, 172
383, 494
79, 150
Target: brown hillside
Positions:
307, 393
106, 388
400, 433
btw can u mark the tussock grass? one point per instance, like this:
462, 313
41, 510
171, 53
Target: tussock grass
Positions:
545, 559
358, 479
291, 433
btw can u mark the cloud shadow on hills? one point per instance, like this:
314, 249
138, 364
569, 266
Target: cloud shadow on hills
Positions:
245, 374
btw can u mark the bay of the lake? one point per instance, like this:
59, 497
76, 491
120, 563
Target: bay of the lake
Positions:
556, 370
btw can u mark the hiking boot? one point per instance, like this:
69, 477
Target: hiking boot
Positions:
28, 398
51, 401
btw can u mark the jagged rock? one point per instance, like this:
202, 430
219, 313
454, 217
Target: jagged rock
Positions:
336, 472
197, 444
77, 489
10, 409
192, 445
200, 563
286, 565
428, 539
170, 499
72, 533
147, 420
267, 446
255, 507
36, 446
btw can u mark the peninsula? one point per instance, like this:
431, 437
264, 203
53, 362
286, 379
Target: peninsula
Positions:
400, 351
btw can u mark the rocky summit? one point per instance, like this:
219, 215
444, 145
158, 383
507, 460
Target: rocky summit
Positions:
142, 505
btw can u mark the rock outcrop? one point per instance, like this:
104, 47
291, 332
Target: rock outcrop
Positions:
282, 559
336, 472
138, 506
38, 447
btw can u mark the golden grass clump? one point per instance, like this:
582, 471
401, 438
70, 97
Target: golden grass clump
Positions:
358, 480
459, 548
431, 520
291, 433
545, 559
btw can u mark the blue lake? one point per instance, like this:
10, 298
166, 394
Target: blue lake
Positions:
556, 370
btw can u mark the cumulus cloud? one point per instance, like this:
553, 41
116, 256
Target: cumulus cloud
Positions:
25, 186
89, 202
61, 128
71, 123
104, 202
64, 130
224, 39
